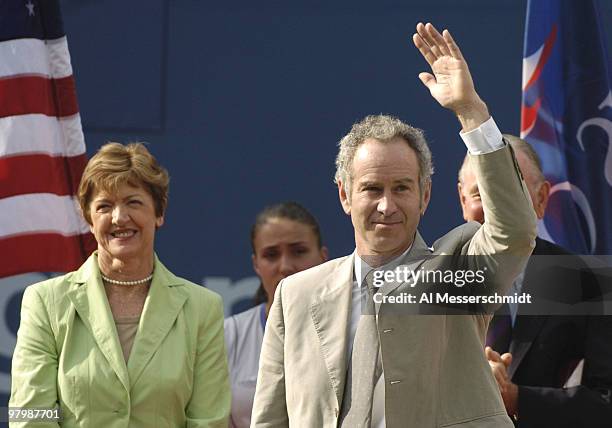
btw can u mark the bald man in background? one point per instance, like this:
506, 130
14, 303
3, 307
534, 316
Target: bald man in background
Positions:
532, 356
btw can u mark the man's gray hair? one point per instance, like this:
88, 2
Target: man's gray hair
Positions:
384, 129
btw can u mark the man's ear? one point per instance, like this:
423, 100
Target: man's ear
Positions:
345, 199
159, 221
542, 199
426, 196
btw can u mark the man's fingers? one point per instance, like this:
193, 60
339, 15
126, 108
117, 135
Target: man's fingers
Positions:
492, 355
506, 359
450, 42
439, 42
427, 79
423, 31
424, 48
420, 29
425, 37
499, 374
499, 371
434, 45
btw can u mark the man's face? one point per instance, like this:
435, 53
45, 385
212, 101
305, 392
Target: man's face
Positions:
385, 203
470, 196
538, 189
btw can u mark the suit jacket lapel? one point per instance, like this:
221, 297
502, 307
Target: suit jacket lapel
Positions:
527, 327
91, 304
331, 311
524, 332
161, 308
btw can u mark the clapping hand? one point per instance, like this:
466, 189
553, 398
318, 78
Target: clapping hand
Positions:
499, 366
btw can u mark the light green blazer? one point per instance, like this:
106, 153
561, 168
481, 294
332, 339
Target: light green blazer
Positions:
68, 352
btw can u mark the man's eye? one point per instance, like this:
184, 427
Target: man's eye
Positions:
401, 188
135, 202
102, 207
371, 189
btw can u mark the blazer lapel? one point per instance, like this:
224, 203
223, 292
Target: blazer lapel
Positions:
331, 311
91, 304
161, 308
524, 333
527, 327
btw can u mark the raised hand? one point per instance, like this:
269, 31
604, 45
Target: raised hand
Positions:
451, 82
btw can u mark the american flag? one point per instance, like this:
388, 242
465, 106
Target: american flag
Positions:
42, 149
567, 116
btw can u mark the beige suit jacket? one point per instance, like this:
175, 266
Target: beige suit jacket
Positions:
436, 374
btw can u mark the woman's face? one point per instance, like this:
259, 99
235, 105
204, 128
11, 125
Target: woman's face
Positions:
284, 247
124, 222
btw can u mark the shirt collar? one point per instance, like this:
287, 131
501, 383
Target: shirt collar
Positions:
361, 268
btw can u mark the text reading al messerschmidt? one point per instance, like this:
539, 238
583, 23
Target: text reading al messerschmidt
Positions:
446, 298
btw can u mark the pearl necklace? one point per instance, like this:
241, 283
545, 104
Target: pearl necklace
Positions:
138, 282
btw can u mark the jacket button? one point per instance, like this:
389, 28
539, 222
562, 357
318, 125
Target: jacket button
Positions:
394, 382
387, 330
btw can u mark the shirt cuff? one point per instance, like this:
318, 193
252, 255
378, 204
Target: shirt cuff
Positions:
485, 139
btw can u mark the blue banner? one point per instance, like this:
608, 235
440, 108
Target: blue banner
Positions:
567, 116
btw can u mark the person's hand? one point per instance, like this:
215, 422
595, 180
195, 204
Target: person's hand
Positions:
499, 366
451, 82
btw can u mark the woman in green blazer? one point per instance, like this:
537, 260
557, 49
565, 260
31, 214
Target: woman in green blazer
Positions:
122, 342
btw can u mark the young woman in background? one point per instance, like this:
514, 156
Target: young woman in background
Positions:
286, 239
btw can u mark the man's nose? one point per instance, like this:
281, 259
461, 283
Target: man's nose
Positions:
387, 205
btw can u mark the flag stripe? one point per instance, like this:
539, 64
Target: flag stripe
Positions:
546, 51
24, 56
40, 134
41, 213
37, 94
39, 253
59, 57
40, 174
48, 58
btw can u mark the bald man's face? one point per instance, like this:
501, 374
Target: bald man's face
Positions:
469, 196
